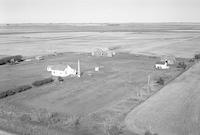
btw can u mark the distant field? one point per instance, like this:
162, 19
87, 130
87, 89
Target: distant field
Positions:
148, 39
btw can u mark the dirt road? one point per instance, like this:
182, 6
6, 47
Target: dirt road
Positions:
174, 110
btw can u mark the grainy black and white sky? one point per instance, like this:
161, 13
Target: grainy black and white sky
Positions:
98, 11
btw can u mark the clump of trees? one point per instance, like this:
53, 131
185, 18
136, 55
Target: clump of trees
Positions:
14, 91
181, 65
197, 56
42, 82
22, 88
192, 60
160, 81
11, 59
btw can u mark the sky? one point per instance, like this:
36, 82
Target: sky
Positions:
99, 11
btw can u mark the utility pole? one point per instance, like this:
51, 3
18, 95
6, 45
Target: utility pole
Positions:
79, 72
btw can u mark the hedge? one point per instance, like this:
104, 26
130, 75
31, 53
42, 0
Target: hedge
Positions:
8, 59
42, 82
14, 91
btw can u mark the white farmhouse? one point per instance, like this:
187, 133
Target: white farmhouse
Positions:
162, 65
61, 70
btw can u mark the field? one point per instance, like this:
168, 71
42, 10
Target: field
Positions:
149, 39
109, 93
96, 98
120, 76
174, 110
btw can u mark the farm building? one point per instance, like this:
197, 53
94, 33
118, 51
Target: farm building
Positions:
162, 65
170, 59
61, 70
103, 52
39, 58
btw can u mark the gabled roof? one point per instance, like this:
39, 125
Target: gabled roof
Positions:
58, 67
160, 62
166, 57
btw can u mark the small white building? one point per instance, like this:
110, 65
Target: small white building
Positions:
162, 65
39, 58
61, 70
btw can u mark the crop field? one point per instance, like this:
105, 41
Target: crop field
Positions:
148, 39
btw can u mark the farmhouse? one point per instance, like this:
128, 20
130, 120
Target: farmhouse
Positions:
162, 65
61, 70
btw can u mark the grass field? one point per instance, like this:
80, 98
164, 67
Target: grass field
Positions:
111, 93
174, 110
121, 76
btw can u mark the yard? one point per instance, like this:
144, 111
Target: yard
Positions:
110, 93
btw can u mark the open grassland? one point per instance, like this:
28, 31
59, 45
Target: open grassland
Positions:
174, 110
120, 76
148, 39
90, 104
110, 93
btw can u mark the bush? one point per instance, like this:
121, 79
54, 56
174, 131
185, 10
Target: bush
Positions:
60, 79
181, 65
197, 56
113, 127
191, 60
73, 121
14, 91
5, 60
25, 118
149, 133
160, 81
42, 82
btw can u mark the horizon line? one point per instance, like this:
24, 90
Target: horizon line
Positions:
94, 22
